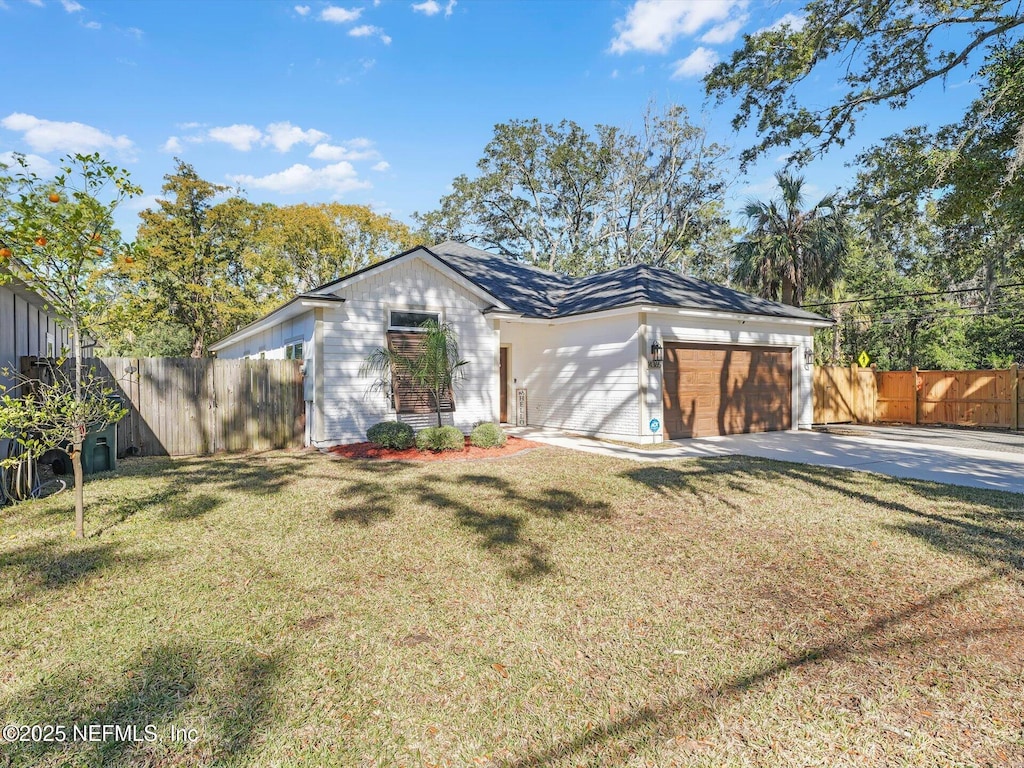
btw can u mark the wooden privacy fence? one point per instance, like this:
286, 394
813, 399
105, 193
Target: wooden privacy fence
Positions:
965, 398
186, 407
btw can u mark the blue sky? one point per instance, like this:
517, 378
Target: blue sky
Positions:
373, 102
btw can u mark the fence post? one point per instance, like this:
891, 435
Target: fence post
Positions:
913, 383
1014, 397
854, 400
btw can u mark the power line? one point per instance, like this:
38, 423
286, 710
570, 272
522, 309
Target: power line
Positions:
907, 295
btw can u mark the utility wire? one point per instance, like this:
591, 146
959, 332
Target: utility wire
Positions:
907, 295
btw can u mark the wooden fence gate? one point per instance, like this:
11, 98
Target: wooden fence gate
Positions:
186, 406
844, 394
991, 398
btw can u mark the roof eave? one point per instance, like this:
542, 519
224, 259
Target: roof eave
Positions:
821, 322
297, 306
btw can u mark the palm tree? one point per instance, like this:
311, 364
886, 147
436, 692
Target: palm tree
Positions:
435, 363
789, 251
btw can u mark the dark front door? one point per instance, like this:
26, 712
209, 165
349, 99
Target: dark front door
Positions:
503, 378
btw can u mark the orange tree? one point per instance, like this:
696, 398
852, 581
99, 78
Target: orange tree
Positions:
56, 236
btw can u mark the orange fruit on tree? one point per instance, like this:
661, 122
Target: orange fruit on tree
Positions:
129, 259
99, 251
96, 235
54, 197
5, 253
41, 241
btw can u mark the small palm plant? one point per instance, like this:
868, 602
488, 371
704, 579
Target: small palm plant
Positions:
435, 366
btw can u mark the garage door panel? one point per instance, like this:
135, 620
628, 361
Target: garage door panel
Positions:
722, 390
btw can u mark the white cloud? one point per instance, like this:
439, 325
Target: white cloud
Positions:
38, 3
697, 64
71, 6
427, 7
382, 166
55, 136
93, 25
432, 7
653, 25
302, 10
241, 137
337, 15
725, 33
336, 179
40, 166
368, 30
134, 32
356, 149
172, 145
283, 136
794, 21
190, 126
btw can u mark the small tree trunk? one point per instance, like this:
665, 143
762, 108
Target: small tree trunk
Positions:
837, 334
76, 444
76, 465
198, 346
437, 402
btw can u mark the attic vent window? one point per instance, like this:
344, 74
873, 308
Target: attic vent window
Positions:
411, 321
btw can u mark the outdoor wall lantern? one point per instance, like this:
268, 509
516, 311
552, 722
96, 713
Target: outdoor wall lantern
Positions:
808, 357
655, 355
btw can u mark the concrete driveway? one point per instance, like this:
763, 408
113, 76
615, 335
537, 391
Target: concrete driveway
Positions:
969, 457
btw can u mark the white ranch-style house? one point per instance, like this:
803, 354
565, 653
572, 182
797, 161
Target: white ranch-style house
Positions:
639, 354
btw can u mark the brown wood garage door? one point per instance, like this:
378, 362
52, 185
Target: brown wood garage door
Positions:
726, 390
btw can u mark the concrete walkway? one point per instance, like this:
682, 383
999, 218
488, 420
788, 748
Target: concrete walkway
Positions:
935, 461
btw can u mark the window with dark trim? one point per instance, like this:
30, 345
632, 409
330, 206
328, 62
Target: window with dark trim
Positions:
293, 351
412, 321
408, 396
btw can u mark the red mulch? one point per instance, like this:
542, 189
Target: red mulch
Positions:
371, 451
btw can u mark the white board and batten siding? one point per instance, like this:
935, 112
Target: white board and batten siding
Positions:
580, 375
354, 329
271, 343
26, 329
669, 327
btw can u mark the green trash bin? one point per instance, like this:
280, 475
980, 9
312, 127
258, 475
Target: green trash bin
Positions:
99, 450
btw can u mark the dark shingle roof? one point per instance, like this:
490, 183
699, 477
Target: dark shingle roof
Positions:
525, 289
539, 293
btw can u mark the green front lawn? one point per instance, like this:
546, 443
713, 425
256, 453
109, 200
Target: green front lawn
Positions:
551, 608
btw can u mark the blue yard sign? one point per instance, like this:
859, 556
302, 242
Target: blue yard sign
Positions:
655, 425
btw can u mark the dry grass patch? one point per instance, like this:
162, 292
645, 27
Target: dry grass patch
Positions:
553, 608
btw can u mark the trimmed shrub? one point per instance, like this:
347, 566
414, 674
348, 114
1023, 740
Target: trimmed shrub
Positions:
488, 435
391, 434
440, 439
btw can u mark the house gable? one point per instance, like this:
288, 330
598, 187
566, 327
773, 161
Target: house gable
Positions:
353, 329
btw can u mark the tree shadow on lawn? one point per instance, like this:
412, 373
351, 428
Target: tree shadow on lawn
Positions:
42, 568
500, 533
648, 724
719, 479
227, 698
249, 473
990, 530
369, 502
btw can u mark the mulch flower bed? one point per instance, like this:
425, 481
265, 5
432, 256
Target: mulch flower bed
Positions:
371, 451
